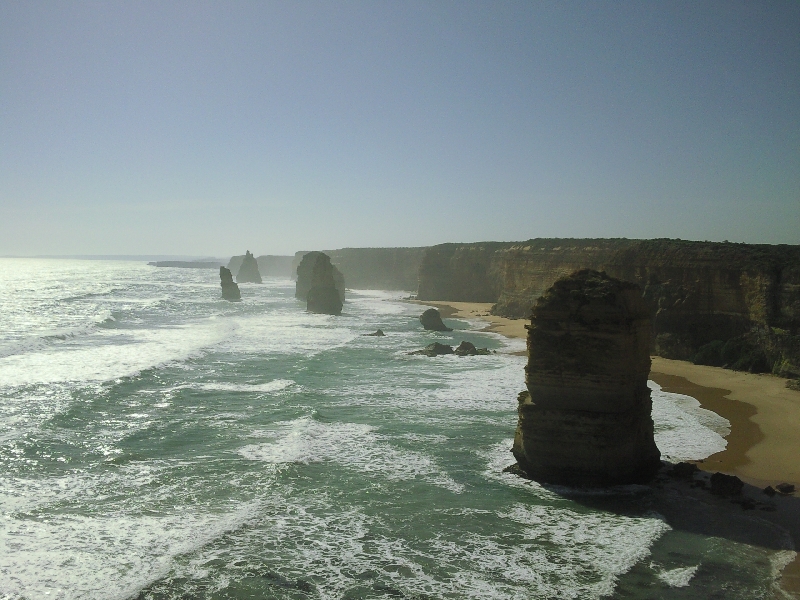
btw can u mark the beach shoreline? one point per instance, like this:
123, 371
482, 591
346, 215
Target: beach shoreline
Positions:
763, 447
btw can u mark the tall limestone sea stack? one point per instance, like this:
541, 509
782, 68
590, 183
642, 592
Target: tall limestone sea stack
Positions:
230, 291
586, 417
248, 272
320, 284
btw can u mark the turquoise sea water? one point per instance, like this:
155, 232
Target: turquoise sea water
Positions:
157, 442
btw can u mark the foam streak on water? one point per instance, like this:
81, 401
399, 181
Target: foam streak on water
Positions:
157, 442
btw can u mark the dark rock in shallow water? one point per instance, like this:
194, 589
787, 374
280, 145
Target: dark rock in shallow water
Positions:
230, 291
434, 349
469, 349
769, 491
432, 321
586, 417
248, 272
320, 284
785, 488
378, 333
726, 485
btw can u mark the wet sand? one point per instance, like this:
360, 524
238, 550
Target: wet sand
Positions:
764, 444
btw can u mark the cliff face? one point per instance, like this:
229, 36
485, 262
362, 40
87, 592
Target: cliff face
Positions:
376, 268
697, 292
585, 419
467, 272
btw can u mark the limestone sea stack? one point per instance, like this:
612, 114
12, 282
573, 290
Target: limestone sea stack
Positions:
586, 417
320, 284
432, 321
248, 272
230, 291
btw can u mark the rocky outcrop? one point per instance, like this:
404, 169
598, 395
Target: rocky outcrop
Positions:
320, 284
698, 293
586, 416
268, 265
230, 291
432, 321
469, 349
324, 300
378, 333
434, 349
248, 272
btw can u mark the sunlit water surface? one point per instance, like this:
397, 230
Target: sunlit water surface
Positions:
159, 442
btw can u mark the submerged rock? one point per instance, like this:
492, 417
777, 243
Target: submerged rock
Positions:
378, 333
432, 321
320, 284
586, 416
248, 272
434, 349
230, 291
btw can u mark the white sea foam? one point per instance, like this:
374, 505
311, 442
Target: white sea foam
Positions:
275, 385
112, 354
351, 445
606, 544
684, 430
679, 577
110, 556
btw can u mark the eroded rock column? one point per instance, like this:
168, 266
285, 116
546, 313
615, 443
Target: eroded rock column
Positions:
586, 417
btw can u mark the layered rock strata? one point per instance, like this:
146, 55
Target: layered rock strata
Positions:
320, 284
432, 321
248, 271
230, 291
698, 293
586, 416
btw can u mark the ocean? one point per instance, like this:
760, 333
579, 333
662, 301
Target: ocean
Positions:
157, 442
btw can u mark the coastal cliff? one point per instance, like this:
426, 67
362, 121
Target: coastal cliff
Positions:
585, 419
701, 295
376, 268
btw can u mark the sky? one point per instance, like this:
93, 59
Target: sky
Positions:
207, 128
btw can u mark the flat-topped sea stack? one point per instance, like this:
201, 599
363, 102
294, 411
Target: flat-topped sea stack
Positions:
320, 284
248, 272
586, 417
230, 291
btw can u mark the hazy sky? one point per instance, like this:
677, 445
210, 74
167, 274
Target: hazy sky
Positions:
209, 127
